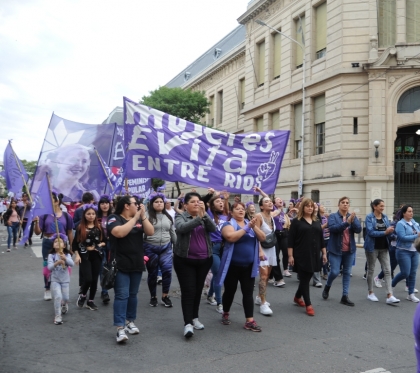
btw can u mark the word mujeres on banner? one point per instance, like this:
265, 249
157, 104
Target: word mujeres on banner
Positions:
173, 149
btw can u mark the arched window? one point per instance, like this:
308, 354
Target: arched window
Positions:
409, 101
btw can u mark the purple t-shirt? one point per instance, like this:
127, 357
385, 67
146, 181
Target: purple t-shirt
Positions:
416, 332
216, 236
47, 223
198, 244
279, 219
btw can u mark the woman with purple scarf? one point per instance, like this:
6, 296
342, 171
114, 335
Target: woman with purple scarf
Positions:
240, 263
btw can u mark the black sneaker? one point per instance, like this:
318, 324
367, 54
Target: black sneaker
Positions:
92, 306
105, 298
30, 242
166, 301
26, 244
153, 302
81, 301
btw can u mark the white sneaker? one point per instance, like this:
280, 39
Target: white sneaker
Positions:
219, 308
258, 301
197, 324
318, 285
271, 281
415, 290
392, 300
58, 320
47, 295
377, 282
412, 298
279, 284
131, 328
372, 297
265, 309
188, 331
211, 301
121, 336
286, 273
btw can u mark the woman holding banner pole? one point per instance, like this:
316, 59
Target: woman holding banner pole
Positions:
46, 224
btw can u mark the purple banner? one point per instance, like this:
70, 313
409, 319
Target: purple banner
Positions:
68, 155
137, 185
14, 172
170, 148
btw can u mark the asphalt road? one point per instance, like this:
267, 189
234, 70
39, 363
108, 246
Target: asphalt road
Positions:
338, 339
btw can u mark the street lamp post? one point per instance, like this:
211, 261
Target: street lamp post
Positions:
300, 186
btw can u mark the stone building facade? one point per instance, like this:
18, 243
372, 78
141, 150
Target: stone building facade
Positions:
362, 85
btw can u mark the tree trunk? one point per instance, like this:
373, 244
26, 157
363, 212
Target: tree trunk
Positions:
178, 188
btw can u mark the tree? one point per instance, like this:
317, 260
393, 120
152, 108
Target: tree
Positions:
186, 104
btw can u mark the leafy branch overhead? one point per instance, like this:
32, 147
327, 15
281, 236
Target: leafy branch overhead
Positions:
186, 104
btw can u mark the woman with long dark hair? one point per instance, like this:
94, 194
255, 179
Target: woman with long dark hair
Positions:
378, 231
305, 242
104, 210
219, 211
158, 248
12, 221
88, 245
407, 230
193, 257
47, 225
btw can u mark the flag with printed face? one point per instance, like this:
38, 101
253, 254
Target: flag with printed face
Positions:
14, 172
41, 205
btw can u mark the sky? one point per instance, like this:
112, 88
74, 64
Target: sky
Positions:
78, 58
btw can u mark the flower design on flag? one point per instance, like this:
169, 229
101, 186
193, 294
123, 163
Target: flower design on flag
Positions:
59, 137
267, 169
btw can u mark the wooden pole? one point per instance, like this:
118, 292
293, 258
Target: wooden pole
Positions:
103, 168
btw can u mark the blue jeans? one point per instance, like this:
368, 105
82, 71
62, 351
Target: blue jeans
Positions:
125, 303
217, 290
12, 230
408, 262
346, 259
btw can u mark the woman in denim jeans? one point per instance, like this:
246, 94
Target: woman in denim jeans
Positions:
126, 228
12, 220
407, 256
378, 231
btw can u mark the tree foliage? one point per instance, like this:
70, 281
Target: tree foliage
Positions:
186, 104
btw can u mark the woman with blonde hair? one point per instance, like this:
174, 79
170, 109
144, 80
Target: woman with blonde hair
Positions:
305, 242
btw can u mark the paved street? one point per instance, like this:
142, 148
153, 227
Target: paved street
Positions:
338, 339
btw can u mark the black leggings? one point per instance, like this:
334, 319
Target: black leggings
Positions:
243, 275
191, 275
303, 289
89, 270
281, 246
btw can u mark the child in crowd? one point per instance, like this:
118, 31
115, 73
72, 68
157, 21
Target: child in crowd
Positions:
59, 261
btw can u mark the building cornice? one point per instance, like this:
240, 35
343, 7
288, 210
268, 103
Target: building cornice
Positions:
256, 9
215, 68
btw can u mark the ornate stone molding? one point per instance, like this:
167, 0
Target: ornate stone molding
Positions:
393, 79
256, 10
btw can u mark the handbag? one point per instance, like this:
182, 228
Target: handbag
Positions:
270, 241
417, 243
109, 275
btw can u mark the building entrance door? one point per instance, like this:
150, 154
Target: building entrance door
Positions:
407, 169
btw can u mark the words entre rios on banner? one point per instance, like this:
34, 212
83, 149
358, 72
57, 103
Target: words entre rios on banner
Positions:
182, 150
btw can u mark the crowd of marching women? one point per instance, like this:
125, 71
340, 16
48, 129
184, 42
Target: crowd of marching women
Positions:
204, 235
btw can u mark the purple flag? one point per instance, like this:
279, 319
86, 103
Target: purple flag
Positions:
170, 148
41, 205
162, 187
14, 172
106, 173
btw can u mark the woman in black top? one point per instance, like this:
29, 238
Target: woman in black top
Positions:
87, 246
305, 241
126, 229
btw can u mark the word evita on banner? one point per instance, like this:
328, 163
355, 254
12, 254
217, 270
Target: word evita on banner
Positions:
173, 149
